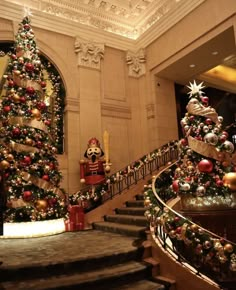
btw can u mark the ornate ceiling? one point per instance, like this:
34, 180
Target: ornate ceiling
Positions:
127, 18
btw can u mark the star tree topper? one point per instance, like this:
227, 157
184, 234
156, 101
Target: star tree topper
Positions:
27, 12
195, 88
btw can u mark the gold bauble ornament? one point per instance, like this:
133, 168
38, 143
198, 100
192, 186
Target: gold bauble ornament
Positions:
16, 98
36, 113
41, 205
147, 202
10, 157
229, 180
228, 248
4, 164
194, 227
28, 141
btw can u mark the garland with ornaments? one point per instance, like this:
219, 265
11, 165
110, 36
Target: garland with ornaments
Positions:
207, 251
89, 198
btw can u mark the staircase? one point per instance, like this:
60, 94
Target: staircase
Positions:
130, 221
85, 260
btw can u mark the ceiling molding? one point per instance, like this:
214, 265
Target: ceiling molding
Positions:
123, 24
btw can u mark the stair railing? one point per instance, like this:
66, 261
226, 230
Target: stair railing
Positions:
204, 253
91, 197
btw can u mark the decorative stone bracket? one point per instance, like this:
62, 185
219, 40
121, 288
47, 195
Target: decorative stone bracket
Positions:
136, 62
89, 53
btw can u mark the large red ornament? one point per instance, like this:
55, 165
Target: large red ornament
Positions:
16, 131
27, 160
205, 166
7, 109
29, 66
27, 195
175, 185
45, 177
30, 90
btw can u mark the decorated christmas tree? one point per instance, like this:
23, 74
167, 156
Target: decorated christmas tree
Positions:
205, 177
28, 160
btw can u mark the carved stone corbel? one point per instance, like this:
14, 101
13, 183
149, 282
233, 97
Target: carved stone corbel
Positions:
136, 62
89, 53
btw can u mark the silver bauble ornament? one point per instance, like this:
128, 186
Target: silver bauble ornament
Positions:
211, 138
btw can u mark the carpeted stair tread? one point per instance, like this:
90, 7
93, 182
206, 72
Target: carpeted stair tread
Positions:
85, 280
131, 210
139, 285
127, 219
135, 203
125, 229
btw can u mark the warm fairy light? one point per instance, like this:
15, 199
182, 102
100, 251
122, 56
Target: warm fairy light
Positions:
33, 229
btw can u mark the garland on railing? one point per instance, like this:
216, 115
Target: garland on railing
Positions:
208, 251
90, 198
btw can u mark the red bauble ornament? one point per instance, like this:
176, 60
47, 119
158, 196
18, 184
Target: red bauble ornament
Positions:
184, 142
219, 183
11, 83
39, 144
26, 26
22, 99
226, 134
208, 121
30, 90
27, 160
29, 67
45, 177
43, 84
16, 131
52, 166
52, 201
175, 185
178, 230
205, 100
223, 138
41, 105
205, 166
47, 122
7, 109
27, 195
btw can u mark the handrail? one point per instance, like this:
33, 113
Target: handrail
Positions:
91, 197
205, 253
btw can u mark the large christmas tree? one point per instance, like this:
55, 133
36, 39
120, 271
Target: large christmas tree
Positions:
205, 176
28, 159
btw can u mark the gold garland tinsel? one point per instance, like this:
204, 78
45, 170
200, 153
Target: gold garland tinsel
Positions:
31, 123
194, 107
43, 184
207, 150
24, 83
21, 147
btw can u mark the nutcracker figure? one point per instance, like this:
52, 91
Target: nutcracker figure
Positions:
93, 170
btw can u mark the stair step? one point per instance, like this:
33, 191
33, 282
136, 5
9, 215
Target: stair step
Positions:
139, 196
140, 285
164, 280
117, 275
127, 219
135, 203
131, 210
130, 230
